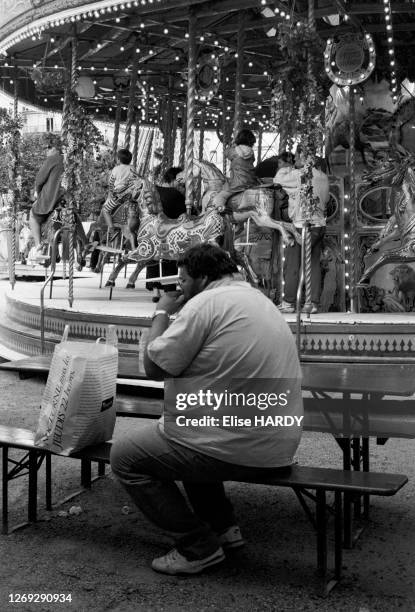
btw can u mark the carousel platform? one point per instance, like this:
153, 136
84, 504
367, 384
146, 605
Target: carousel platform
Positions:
330, 336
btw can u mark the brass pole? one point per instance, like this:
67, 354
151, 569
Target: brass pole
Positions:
183, 138
131, 101
191, 108
136, 135
14, 188
259, 146
308, 179
117, 125
354, 237
237, 121
71, 219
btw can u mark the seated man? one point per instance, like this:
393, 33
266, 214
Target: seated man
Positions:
48, 191
226, 336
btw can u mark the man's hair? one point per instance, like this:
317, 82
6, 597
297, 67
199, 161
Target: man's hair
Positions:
124, 156
286, 157
245, 137
207, 260
170, 174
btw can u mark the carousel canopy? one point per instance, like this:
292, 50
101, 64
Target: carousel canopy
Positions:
114, 38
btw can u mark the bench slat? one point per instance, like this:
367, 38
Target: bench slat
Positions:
372, 483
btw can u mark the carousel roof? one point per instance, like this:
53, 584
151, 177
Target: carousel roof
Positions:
112, 35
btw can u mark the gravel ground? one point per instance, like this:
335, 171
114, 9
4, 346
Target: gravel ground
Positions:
101, 557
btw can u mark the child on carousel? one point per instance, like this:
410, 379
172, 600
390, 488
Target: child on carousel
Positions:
242, 171
119, 180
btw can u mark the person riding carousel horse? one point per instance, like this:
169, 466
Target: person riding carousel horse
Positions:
159, 236
242, 171
48, 190
121, 176
48, 213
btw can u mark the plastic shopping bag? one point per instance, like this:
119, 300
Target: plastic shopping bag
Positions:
78, 404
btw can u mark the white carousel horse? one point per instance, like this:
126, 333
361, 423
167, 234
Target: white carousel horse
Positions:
400, 174
253, 201
158, 236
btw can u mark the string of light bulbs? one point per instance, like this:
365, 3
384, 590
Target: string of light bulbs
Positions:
391, 51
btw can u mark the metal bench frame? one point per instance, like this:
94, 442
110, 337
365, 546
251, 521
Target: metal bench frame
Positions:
344, 484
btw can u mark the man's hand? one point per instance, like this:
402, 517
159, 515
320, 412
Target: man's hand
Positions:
171, 302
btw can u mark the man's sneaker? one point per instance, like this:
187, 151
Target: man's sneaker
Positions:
231, 538
286, 307
174, 563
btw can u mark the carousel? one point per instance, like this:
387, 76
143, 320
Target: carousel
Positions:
329, 80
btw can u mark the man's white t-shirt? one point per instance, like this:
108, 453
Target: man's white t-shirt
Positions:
231, 332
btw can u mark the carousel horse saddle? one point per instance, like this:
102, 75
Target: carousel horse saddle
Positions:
166, 224
258, 198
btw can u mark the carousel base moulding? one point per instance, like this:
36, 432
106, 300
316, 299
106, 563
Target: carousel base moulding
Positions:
324, 336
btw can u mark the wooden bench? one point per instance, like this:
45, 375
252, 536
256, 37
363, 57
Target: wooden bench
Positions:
302, 479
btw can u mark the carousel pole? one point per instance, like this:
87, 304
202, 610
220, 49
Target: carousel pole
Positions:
171, 127
13, 216
202, 133
354, 248
136, 135
200, 155
259, 146
117, 125
237, 121
224, 144
183, 139
71, 216
307, 234
173, 138
191, 108
131, 101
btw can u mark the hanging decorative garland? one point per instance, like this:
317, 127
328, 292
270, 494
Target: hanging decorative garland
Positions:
298, 97
350, 59
83, 142
48, 80
9, 150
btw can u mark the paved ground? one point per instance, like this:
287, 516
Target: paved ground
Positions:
101, 556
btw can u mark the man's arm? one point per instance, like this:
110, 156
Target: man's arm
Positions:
159, 326
169, 304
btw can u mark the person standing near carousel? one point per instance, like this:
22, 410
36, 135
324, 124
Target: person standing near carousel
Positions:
289, 178
48, 191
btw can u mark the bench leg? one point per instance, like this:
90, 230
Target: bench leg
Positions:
338, 535
348, 539
86, 473
48, 481
32, 507
321, 522
5, 491
366, 468
101, 468
321, 533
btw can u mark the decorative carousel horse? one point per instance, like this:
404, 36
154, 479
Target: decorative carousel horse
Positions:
126, 222
57, 220
161, 237
400, 174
